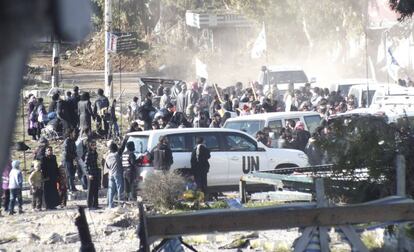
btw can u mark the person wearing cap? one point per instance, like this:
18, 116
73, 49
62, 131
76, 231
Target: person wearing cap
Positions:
15, 186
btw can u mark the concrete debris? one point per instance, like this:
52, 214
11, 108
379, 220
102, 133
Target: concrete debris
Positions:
54, 238
28, 237
71, 238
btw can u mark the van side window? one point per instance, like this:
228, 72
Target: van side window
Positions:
236, 142
312, 122
275, 125
211, 141
177, 142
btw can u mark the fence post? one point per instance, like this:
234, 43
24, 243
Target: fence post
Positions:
401, 180
322, 202
242, 191
401, 191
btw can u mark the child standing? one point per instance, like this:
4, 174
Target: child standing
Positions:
36, 183
94, 175
62, 186
15, 186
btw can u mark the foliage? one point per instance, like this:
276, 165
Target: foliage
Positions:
163, 189
366, 142
127, 15
403, 7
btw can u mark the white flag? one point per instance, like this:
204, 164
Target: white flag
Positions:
259, 46
201, 69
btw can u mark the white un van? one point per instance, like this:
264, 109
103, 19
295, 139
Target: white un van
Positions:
233, 153
251, 124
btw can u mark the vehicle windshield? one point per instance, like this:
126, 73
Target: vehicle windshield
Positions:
140, 142
371, 95
287, 77
250, 127
344, 89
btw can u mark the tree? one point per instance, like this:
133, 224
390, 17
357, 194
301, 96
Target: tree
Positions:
367, 142
404, 7
127, 15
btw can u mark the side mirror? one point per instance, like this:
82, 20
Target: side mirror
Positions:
313, 80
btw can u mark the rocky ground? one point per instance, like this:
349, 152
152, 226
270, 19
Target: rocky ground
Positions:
115, 230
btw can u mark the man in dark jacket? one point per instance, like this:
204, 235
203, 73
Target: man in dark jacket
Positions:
74, 100
94, 175
129, 162
300, 136
68, 158
145, 110
162, 155
62, 111
200, 165
101, 112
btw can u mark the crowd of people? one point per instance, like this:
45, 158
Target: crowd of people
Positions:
178, 106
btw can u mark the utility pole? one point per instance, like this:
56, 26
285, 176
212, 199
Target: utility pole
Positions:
55, 62
109, 89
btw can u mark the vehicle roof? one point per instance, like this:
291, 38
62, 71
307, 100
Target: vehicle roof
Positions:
180, 130
371, 86
278, 68
390, 112
267, 116
355, 81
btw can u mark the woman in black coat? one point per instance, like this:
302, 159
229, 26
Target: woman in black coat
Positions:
200, 165
49, 169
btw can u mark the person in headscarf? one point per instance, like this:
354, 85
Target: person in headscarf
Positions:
200, 165
32, 117
192, 94
50, 173
85, 113
182, 101
15, 186
300, 136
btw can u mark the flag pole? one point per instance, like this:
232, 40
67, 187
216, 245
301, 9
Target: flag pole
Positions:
265, 37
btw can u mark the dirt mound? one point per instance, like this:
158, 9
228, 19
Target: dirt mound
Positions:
90, 55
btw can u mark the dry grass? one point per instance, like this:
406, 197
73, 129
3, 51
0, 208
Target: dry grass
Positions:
163, 189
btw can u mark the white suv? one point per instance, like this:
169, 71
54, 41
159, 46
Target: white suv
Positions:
233, 153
